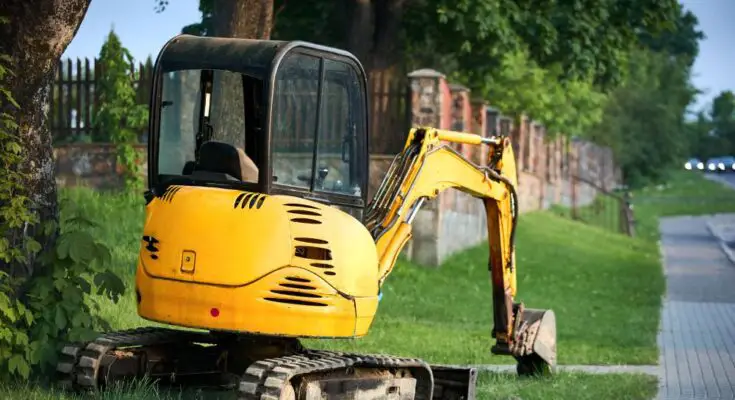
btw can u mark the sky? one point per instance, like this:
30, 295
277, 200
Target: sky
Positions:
143, 32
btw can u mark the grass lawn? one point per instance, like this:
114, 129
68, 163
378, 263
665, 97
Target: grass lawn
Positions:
489, 386
604, 213
686, 193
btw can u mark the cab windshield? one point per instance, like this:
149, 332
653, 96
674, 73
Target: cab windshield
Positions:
317, 139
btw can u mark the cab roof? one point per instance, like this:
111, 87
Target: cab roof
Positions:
248, 56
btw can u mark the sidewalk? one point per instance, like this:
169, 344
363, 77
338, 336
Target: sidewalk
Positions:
697, 337
722, 227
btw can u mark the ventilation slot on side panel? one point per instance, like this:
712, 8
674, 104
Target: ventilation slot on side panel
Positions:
238, 199
311, 240
301, 205
305, 212
169, 194
314, 253
253, 201
296, 286
306, 221
297, 279
295, 293
296, 302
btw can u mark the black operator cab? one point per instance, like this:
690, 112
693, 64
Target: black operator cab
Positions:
267, 116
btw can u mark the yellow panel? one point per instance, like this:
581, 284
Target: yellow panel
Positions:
228, 239
365, 307
320, 311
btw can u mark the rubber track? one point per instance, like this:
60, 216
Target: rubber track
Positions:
79, 362
264, 380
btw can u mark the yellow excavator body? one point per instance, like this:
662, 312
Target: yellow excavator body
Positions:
258, 232
233, 260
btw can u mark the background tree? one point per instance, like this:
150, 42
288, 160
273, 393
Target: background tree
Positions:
712, 133
120, 117
644, 119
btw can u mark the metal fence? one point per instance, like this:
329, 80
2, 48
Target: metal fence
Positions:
594, 205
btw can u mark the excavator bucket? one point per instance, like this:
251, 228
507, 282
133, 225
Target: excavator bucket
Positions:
535, 341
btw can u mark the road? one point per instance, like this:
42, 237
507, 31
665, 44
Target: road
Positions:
727, 178
697, 337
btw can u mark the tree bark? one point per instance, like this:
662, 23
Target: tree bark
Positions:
360, 28
248, 19
373, 30
37, 35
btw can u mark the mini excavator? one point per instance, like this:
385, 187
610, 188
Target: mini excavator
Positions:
258, 232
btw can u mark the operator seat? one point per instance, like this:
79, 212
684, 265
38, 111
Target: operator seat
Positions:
221, 157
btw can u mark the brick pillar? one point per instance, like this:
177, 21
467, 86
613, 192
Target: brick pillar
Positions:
461, 116
431, 107
479, 127
542, 164
558, 148
526, 139
427, 98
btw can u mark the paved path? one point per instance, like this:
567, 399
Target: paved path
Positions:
697, 337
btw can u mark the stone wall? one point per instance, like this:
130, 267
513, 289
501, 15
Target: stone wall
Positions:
550, 170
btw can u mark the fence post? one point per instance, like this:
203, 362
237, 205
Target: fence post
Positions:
573, 170
627, 217
480, 127
429, 107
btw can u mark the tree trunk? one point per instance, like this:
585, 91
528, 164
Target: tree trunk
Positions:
248, 19
37, 35
373, 31
359, 30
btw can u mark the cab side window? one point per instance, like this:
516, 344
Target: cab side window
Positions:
294, 119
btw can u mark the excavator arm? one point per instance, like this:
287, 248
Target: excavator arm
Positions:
427, 166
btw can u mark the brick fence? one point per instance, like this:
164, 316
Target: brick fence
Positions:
551, 171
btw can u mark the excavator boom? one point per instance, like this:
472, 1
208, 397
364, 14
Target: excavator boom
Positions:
427, 166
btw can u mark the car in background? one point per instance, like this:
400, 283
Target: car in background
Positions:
694, 164
726, 164
721, 164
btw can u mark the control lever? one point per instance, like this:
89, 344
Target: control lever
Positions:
322, 173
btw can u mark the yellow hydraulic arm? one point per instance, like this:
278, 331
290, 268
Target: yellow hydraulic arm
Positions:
427, 166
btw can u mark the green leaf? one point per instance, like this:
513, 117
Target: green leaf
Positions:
6, 308
60, 318
110, 285
62, 247
103, 254
14, 363
81, 246
32, 245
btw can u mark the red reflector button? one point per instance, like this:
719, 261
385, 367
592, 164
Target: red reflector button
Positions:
214, 312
